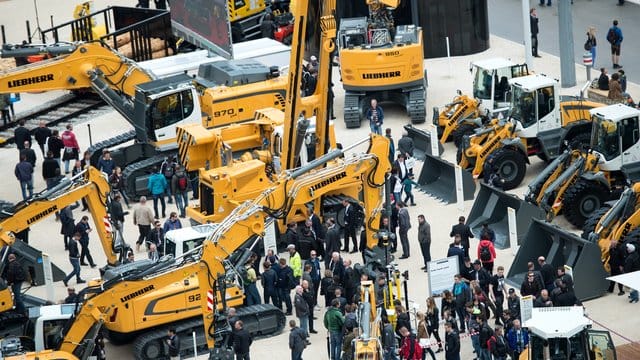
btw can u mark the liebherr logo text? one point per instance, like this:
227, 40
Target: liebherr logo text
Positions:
30, 80
328, 181
42, 214
137, 293
382, 75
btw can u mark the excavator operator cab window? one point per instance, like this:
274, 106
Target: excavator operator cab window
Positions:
557, 348
170, 109
606, 140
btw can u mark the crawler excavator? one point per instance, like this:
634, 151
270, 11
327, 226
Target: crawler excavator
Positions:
381, 60
138, 296
583, 180
223, 93
222, 188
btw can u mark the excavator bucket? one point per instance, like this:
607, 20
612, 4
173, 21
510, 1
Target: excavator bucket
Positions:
560, 248
422, 142
490, 207
438, 179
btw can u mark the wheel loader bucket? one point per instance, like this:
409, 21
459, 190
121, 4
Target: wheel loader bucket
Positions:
560, 247
490, 206
421, 142
438, 179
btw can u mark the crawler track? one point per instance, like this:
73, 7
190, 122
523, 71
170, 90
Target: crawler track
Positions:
63, 109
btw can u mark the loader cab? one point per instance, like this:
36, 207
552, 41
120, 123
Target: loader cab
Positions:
615, 136
565, 333
491, 84
534, 105
167, 103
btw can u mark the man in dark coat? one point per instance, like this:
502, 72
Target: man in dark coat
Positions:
21, 134
351, 225
405, 144
241, 341
465, 233
533, 22
424, 238
15, 276
332, 240
42, 133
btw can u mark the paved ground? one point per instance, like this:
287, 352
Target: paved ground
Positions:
611, 311
505, 20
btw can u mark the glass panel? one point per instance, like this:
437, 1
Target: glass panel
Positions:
606, 140
629, 132
523, 106
482, 84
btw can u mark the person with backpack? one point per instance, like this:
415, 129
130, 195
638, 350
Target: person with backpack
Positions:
498, 345
614, 37
486, 333
486, 252
410, 348
167, 169
180, 189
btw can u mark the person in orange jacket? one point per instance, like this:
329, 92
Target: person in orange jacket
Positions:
486, 252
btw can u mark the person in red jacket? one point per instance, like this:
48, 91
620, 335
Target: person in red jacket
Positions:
486, 253
71, 147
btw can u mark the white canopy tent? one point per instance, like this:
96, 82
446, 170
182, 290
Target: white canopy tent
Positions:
631, 280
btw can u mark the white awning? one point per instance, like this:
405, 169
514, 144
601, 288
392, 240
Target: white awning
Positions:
631, 280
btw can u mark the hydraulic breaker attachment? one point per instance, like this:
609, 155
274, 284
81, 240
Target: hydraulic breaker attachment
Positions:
422, 142
560, 248
438, 179
490, 207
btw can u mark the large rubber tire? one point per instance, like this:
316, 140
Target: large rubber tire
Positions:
593, 220
458, 134
511, 166
583, 199
581, 141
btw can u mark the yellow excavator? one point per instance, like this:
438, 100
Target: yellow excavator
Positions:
133, 294
93, 186
222, 188
381, 60
223, 93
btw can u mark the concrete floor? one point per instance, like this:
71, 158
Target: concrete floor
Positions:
445, 76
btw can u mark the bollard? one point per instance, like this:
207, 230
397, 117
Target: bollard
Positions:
587, 60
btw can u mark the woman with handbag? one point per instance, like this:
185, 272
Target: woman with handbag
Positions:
71, 147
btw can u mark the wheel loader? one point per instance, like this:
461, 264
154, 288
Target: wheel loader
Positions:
490, 89
617, 222
540, 123
581, 184
381, 60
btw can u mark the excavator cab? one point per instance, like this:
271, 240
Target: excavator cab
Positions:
167, 103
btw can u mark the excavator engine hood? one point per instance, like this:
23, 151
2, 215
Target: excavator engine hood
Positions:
490, 206
560, 247
438, 179
421, 142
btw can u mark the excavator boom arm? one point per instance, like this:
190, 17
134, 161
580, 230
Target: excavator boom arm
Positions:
70, 68
90, 184
296, 187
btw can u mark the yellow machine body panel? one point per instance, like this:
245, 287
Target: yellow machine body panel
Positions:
239, 10
223, 105
382, 68
6, 297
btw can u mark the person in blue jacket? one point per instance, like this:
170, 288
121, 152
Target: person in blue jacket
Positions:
157, 186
